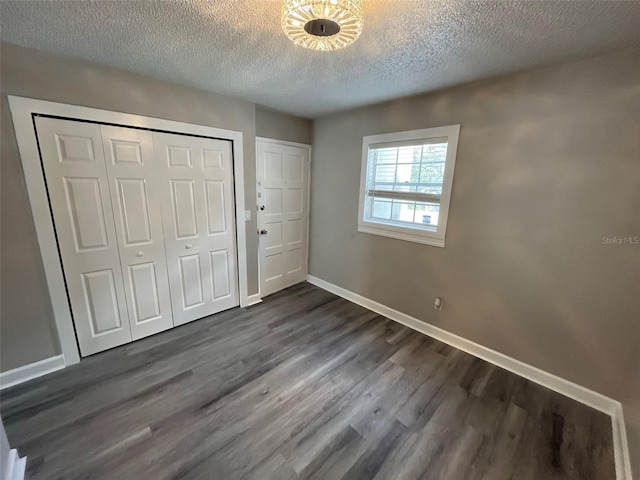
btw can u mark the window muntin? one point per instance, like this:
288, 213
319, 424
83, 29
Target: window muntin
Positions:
407, 183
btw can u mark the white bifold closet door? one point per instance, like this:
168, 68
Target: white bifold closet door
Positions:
78, 186
200, 237
134, 183
143, 248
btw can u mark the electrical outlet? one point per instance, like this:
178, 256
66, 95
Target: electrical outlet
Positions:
438, 304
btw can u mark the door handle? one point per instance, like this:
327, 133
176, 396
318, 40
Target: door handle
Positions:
140, 254
188, 246
261, 207
263, 232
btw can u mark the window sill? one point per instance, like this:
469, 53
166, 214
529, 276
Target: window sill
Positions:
417, 237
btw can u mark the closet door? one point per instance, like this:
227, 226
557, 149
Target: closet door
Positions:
76, 176
134, 181
199, 226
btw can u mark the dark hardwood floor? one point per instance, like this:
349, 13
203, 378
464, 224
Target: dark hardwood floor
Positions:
304, 385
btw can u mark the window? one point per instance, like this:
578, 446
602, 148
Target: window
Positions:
406, 184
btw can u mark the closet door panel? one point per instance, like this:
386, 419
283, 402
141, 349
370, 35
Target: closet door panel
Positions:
191, 280
134, 210
183, 201
73, 160
134, 179
199, 227
145, 294
102, 301
86, 213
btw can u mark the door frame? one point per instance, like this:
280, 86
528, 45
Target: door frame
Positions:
308, 147
23, 112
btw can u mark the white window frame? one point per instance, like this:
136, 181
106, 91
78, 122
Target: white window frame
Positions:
408, 233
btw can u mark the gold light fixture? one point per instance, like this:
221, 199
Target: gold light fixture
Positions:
323, 25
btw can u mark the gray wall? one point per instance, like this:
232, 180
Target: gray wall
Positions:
27, 329
548, 164
272, 124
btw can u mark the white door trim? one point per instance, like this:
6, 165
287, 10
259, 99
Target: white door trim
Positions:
308, 147
284, 142
22, 111
16, 466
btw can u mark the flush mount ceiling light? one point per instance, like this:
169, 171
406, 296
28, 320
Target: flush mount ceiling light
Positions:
322, 24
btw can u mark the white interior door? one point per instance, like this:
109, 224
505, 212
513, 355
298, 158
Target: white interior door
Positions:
283, 192
134, 180
73, 159
199, 224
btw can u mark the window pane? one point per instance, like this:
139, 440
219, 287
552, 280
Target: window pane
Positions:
432, 173
434, 152
413, 168
403, 211
429, 215
385, 173
420, 214
381, 209
404, 172
386, 155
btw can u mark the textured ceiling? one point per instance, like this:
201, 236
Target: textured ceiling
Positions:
236, 47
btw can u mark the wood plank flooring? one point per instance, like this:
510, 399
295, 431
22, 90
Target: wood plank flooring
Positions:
305, 385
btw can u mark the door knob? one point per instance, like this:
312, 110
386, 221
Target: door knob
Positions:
263, 232
139, 254
188, 246
261, 207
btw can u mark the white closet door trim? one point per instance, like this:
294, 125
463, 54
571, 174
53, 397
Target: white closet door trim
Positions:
284, 142
22, 111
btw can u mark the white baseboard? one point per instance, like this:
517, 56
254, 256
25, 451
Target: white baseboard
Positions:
31, 371
565, 387
254, 299
16, 466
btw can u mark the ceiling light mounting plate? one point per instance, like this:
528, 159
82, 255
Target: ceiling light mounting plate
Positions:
321, 27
